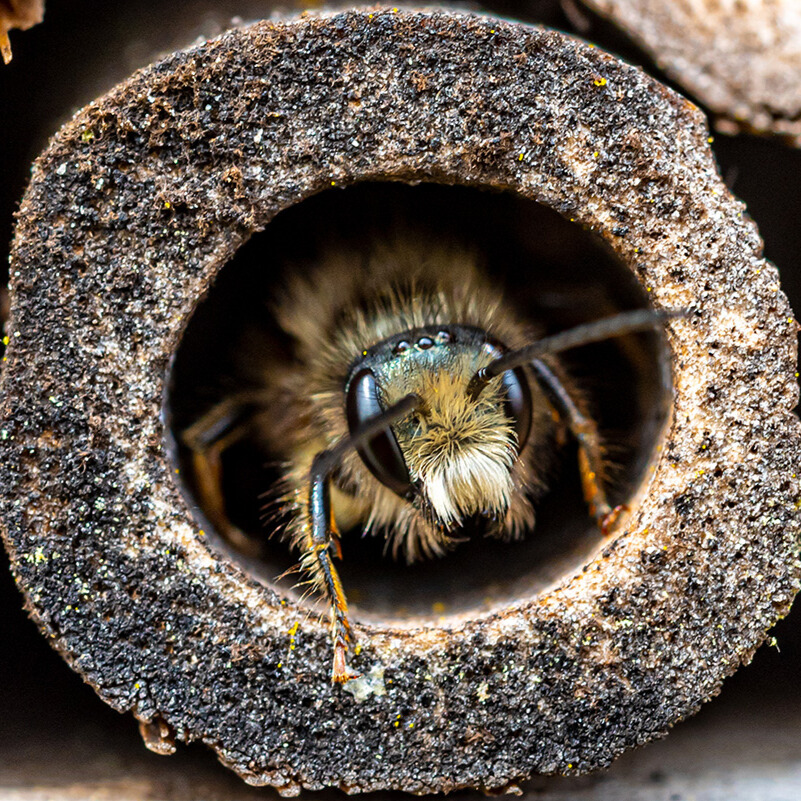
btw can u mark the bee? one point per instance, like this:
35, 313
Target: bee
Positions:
417, 401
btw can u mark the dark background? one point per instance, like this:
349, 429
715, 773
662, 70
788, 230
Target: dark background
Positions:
57, 740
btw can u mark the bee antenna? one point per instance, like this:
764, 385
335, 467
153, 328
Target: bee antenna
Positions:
596, 331
325, 462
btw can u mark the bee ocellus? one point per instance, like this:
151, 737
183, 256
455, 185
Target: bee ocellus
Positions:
416, 400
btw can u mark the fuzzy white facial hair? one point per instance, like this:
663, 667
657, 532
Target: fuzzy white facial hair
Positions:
463, 451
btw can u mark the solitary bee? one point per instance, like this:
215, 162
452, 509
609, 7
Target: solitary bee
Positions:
417, 401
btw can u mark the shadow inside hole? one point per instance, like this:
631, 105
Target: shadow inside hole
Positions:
556, 274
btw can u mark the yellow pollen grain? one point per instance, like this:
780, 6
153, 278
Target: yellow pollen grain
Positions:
600, 81
294, 630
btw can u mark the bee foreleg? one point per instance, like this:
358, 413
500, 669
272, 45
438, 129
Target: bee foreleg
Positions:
320, 532
321, 543
208, 438
583, 428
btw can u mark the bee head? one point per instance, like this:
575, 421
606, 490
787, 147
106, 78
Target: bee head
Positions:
453, 456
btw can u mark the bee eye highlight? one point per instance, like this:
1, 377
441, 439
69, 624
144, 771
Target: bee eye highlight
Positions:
381, 455
518, 403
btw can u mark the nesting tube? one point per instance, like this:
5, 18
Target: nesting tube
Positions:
740, 59
133, 209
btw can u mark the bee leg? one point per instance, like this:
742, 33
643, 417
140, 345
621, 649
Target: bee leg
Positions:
321, 538
583, 428
322, 541
208, 438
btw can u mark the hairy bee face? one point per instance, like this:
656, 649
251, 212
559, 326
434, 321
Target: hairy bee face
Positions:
453, 457
446, 421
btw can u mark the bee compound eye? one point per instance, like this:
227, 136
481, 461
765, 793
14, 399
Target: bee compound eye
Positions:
518, 403
381, 454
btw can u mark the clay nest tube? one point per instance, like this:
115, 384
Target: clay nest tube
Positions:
742, 60
135, 207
